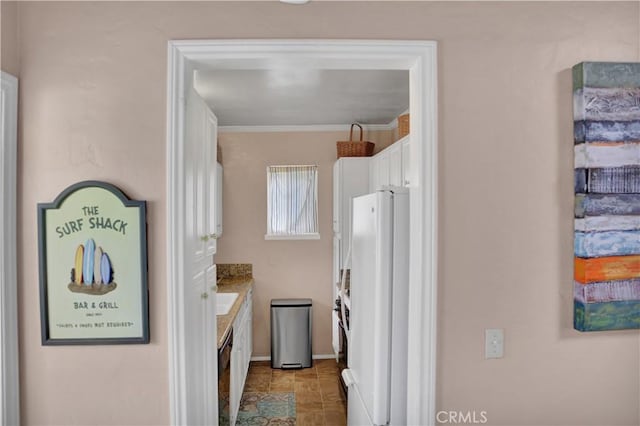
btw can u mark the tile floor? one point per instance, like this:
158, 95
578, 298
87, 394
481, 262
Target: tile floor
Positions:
318, 397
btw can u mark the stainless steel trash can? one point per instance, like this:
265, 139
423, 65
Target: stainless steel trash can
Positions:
290, 333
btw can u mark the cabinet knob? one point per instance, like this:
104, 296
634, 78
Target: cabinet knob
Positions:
204, 295
204, 238
213, 236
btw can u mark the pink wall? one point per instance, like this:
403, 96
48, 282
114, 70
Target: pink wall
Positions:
93, 84
282, 269
9, 59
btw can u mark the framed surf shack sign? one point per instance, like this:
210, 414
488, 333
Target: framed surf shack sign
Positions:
93, 267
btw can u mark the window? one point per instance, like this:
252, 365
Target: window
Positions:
292, 202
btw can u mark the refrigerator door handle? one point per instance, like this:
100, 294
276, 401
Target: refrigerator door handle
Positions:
348, 377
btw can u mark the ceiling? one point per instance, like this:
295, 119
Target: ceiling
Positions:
304, 97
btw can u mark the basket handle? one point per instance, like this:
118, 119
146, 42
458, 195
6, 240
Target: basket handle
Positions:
351, 132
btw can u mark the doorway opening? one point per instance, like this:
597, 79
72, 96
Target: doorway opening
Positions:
416, 57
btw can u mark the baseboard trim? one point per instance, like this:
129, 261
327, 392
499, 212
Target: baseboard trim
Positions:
315, 356
324, 356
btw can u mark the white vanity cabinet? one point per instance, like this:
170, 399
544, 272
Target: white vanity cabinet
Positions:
240, 355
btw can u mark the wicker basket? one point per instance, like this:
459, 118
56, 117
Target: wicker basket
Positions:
403, 126
353, 148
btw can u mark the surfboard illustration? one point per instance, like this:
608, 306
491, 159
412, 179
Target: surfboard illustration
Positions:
78, 264
97, 276
87, 269
105, 269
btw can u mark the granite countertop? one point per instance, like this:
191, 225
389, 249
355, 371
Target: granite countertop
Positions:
236, 284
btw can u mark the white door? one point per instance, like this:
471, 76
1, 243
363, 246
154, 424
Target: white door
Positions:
199, 331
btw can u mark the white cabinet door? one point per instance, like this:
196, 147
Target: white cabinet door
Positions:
240, 355
200, 348
218, 196
383, 169
200, 360
390, 166
395, 164
201, 143
374, 178
337, 194
210, 206
249, 327
406, 162
195, 182
210, 343
236, 385
351, 179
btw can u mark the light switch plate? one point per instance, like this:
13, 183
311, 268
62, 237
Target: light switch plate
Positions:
493, 343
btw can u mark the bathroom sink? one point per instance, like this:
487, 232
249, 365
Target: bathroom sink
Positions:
224, 302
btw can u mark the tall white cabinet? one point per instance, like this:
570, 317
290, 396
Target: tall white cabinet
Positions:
199, 328
350, 179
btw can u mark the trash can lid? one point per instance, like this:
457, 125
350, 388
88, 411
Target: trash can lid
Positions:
291, 302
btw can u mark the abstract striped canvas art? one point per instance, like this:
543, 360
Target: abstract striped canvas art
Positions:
606, 114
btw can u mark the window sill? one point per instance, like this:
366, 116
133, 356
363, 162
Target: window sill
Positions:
292, 237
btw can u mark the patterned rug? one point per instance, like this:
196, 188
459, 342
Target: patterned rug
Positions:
261, 409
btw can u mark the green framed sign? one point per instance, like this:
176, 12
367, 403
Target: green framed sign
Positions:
92, 244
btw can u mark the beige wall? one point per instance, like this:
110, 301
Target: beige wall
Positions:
9, 59
93, 107
282, 269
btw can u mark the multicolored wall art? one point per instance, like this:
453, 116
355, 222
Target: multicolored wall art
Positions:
606, 114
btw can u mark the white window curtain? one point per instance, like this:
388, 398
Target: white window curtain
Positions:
292, 202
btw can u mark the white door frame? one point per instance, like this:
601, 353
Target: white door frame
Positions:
9, 377
417, 57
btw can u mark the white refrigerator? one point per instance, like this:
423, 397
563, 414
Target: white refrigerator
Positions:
377, 373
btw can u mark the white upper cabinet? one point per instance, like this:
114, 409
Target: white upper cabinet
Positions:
218, 197
200, 150
211, 204
350, 179
194, 191
395, 165
390, 166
